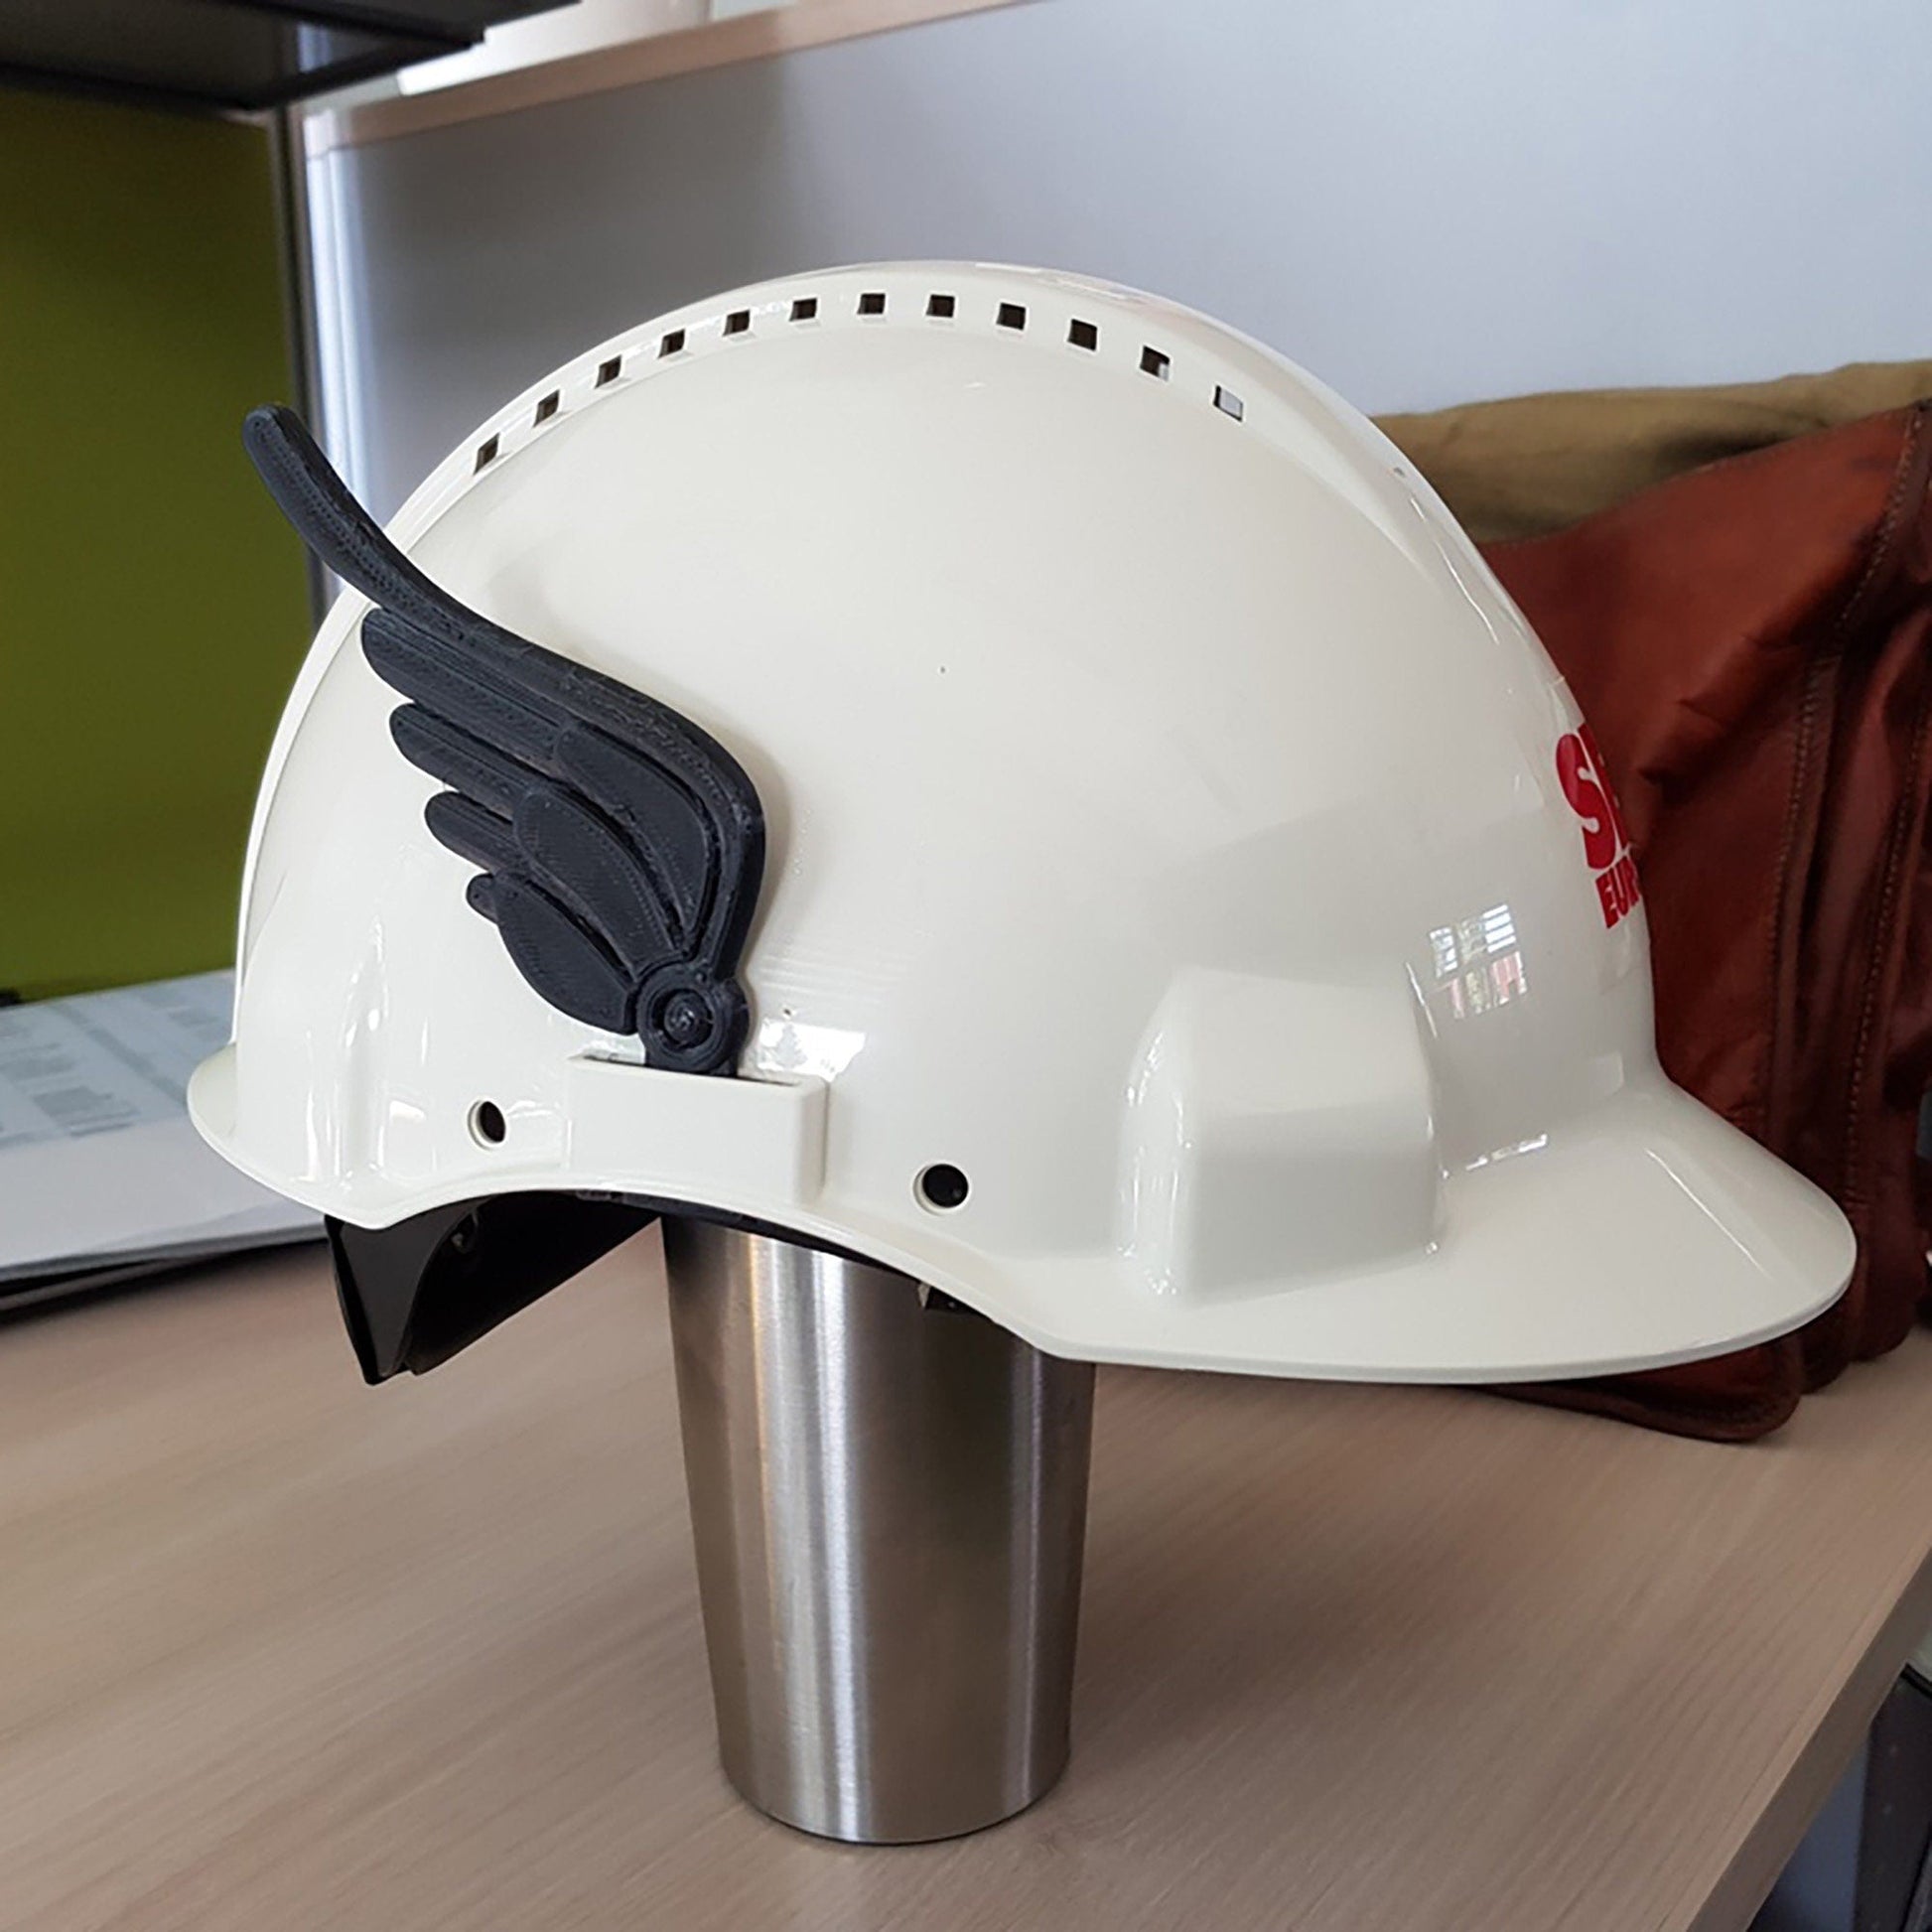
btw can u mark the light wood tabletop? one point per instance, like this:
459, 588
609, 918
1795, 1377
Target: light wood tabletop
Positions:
279, 1652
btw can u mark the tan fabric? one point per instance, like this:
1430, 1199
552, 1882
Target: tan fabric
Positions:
1532, 465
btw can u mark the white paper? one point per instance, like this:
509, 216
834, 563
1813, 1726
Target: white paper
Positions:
99, 1161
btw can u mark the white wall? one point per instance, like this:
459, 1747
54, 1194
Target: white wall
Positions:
1423, 200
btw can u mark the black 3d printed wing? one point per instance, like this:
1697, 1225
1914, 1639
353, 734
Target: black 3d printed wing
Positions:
620, 846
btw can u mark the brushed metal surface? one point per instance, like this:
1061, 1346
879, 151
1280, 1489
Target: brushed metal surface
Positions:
889, 1503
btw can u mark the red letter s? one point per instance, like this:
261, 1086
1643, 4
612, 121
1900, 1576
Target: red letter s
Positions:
1586, 800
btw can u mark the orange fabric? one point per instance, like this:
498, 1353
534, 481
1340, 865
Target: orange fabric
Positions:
1753, 644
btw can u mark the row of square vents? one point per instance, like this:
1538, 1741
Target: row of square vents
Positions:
1080, 334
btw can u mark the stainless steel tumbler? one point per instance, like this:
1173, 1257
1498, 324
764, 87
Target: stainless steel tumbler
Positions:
889, 1499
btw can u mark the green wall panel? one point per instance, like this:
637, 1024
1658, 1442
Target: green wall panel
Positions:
153, 607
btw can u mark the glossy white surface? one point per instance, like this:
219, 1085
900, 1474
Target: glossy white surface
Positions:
1164, 829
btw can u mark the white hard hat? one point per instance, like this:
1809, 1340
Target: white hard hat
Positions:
1144, 875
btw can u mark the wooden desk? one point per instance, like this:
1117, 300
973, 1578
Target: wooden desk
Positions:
281, 1652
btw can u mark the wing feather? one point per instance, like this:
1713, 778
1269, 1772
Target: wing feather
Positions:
472, 832
458, 758
464, 683
587, 861
573, 968
651, 806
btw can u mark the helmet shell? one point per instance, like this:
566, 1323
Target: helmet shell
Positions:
1181, 850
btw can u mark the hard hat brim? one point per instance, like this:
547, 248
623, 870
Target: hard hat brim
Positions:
1653, 1233
1650, 1233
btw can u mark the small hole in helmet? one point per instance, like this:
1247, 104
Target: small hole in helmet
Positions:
738, 323
1153, 361
942, 1185
608, 373
1012, 314
485, 452
805, 307
1227, 402
1083, 335
943, 307
873, 303
549, 406
672, 341
488, 1127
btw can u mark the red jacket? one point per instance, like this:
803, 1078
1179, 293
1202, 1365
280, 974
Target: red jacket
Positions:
1752, 644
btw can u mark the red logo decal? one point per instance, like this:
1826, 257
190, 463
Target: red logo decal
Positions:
1607, 842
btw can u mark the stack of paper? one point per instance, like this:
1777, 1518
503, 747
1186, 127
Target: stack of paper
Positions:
102, 1174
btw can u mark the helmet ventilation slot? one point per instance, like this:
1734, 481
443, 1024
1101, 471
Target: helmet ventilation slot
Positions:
488, 1127
868, 305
